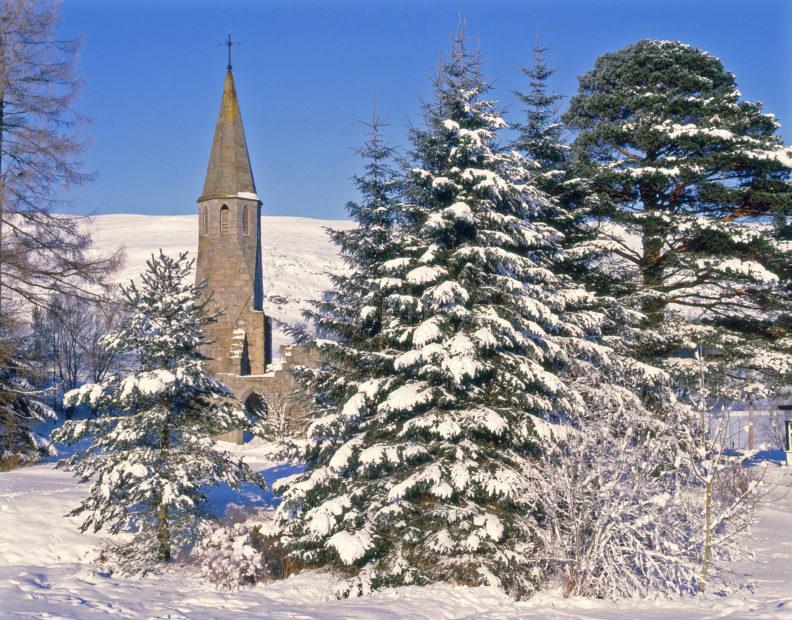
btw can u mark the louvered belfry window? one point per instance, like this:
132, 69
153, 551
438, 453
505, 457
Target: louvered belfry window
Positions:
245, 220
224, 220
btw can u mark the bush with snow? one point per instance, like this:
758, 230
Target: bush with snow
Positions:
239, 554
613, 524
628, 505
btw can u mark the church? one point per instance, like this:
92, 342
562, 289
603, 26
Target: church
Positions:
230, 261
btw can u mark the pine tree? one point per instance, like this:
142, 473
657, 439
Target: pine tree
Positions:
689, 190
151, 451
421, 474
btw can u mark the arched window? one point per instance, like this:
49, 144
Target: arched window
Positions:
224, 220
205, 220
245, 220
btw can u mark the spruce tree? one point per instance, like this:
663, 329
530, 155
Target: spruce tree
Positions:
688, 195
349, 317
421, 474
549, 164
150, 451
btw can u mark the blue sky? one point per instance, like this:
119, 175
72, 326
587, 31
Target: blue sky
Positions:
305, 70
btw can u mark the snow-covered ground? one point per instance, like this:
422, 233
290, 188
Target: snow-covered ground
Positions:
298, 256
46, 572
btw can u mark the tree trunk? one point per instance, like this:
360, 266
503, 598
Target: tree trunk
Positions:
650, 265
2, 176
163, 526
707, 532
163, 534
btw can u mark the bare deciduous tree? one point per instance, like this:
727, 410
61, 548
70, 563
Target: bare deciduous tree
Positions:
284, 415
68, 337
41, 251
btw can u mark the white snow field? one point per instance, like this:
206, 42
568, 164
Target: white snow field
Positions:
298, 256
46, 571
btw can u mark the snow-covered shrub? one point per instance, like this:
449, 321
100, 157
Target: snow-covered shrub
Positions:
229, 557
628, 505
612, 523
721, 487
241, 553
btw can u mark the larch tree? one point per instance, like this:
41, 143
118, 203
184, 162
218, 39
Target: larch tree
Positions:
150, 451
42, 249
421, 474
688, 195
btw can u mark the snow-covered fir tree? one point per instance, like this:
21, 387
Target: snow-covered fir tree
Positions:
548, 164
150, 451
348, 318
21, 407
421, 475
688, 195
540, 135
352, 310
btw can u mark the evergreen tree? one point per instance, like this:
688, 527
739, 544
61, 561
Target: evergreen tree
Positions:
689, 193
20, 407
353, 309
421, 474
540, 134
151, 450
349, 317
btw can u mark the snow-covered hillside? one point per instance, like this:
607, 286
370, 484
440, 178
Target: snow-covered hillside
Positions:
298, 256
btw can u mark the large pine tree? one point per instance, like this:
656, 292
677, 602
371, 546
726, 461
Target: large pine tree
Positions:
421, 474
150, 451
688, 195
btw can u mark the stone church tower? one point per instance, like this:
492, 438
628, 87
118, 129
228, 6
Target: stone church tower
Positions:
229, 256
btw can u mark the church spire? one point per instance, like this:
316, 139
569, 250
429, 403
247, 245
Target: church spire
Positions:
229, 174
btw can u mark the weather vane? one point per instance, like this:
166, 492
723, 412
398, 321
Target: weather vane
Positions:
228, 42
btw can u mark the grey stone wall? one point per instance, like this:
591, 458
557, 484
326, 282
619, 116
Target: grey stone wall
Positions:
229, 259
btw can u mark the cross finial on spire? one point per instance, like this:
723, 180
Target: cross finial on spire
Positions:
228, 42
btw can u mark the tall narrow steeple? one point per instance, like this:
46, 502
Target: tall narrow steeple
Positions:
229, 173
229, 251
